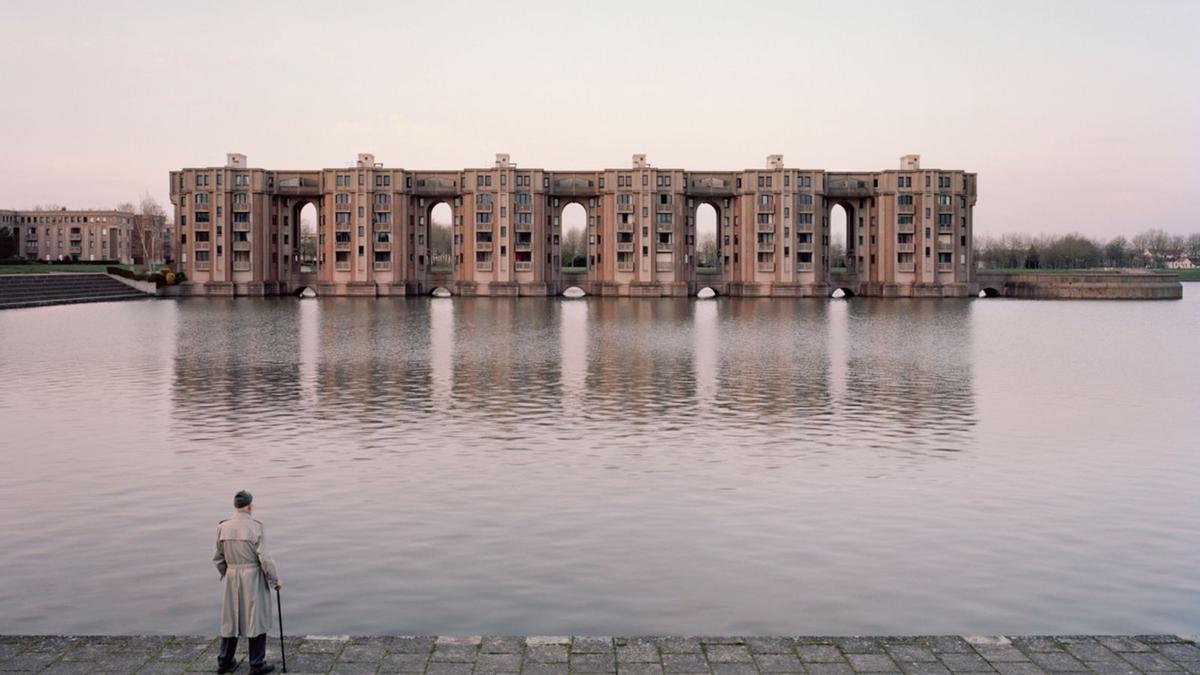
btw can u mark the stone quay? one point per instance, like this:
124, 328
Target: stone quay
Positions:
429, 655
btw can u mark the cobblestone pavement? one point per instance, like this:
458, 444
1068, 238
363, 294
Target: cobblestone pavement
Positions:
940, 655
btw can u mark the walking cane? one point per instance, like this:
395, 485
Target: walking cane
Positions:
279, 606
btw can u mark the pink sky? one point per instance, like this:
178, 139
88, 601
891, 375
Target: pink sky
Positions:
1078, 116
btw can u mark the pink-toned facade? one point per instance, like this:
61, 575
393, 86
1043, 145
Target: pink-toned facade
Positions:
80, 235
908, 230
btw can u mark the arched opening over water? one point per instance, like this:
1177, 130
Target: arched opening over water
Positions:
989, 292
441, 238
307, 250
844, 240
573, 244
708, 243
842, 292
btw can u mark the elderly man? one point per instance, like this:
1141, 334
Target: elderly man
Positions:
249, 574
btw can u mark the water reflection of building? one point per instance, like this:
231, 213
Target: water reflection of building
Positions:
775, 361
801, 374
921, 390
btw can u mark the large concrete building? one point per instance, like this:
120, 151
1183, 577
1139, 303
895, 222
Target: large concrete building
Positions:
908, 230
82, 236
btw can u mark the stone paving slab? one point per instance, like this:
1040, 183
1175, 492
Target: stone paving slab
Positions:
645, 655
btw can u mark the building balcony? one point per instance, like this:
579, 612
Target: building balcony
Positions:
906, 247
906, 228
524, 208
665, 266
384, 206
523, 246
664, 208
766, 267
200, 265
625, 207
523, 227
766, 227
945, 267
804, 267
945, 246
342, 266
766, 247
945, 229
483, 265
523, 266
905, 267
241, 206
664, 227
202, 245
625, 266
483, 206
765, 207
806, 208
383, 265
342, 245
241, 265
804, 227
624, 247
483, 245
381, 227
663, 247
383, 246
241, 246
483, 227
804, 246
906, 208
625, 227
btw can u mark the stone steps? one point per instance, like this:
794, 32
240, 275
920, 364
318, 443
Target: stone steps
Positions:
35, 290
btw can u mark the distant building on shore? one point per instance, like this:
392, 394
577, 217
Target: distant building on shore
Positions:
78, 235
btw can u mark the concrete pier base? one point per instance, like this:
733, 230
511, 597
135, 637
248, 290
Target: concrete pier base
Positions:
475, 655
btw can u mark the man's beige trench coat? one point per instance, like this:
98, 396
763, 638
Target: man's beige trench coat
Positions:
249, 575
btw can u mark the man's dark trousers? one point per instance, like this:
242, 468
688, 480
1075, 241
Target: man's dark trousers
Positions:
258, 650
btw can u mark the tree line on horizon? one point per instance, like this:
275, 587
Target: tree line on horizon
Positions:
1152, 248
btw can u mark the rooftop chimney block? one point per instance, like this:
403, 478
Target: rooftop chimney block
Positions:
910, 162
235, 160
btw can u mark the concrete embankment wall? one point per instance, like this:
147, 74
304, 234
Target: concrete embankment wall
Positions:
1082, 286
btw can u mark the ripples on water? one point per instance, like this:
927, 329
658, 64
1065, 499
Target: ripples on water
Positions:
608, 466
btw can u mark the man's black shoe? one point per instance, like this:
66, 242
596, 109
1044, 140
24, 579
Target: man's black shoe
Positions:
228, 667
264, 668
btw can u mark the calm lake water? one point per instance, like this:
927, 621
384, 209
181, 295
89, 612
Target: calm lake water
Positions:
608, 466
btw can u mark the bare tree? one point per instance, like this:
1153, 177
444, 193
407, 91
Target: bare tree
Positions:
148, 229
706, 251
574, 248
1157, 246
